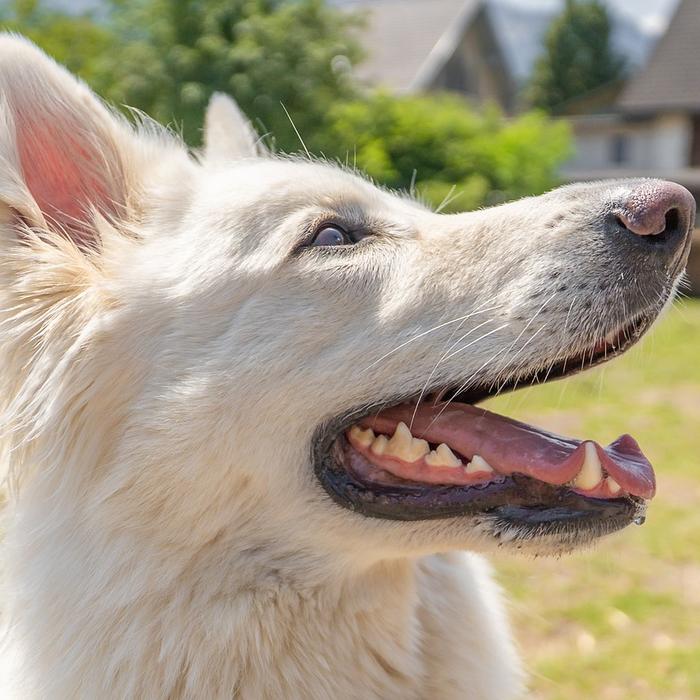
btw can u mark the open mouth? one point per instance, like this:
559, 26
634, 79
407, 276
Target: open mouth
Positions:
440, 455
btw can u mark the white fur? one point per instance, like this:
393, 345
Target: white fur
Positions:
228, 134
168, 354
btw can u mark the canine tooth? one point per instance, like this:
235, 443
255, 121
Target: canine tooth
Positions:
362, 437
402, 435
591, 472
478, 464
379, 445
443, 456
404, 446
613, 485
400, 442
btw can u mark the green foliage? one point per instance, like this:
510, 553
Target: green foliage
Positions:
166, 57
175, 53
439, 142
578, 56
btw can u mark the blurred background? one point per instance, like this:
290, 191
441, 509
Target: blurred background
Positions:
468, 103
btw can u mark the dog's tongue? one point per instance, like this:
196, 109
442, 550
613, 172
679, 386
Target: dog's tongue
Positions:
510, 446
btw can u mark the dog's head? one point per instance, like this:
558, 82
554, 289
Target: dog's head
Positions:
243, 350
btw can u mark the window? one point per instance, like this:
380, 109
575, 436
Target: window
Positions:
618, 149
695, 145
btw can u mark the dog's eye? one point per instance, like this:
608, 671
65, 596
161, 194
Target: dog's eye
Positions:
330, 236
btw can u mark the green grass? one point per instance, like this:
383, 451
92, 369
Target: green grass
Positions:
622, 621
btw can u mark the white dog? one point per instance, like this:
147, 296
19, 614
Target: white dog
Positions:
237, 399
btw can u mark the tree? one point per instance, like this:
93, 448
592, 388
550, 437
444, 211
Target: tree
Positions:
166, 57
443, 147
267, 53
578, 56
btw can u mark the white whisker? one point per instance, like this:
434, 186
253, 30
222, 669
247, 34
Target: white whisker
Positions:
512, 359
465, 384
480, 338
296, 131
449, 197
430, 330
437, 364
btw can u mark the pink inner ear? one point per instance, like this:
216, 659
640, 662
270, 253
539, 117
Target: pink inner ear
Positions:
62, 172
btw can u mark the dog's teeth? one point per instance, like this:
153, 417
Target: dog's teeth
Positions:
611, 338
419, 448
362, 437
402, 433
379, 445
591, 472
401, 440
478, 464
405, 447
613, 485
443, 456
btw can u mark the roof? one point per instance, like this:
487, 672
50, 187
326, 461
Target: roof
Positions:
407, 41
671, 80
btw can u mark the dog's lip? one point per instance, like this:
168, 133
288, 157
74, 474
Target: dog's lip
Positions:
514, 503
510, 446
534, 507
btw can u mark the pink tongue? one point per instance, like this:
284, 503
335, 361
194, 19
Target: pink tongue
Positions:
510, 446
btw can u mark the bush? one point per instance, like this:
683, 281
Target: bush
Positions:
438, 143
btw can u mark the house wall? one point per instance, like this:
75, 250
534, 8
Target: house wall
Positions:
661, 143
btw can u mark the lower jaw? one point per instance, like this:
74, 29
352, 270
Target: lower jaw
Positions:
519, 505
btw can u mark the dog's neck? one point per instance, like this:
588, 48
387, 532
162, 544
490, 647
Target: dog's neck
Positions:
328, 636
263, 635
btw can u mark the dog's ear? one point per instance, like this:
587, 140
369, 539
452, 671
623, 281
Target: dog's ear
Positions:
64, 157
228, 135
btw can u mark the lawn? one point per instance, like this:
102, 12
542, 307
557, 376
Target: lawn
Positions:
623, 620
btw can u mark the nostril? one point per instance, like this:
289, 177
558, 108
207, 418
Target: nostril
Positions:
652, 218
620, 222
671, 228
673, 221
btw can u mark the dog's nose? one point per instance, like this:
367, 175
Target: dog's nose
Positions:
659, 216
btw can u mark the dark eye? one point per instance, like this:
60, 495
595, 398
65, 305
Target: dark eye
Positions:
330, 236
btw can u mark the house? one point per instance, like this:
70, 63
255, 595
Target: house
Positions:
649, 126
419, 46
